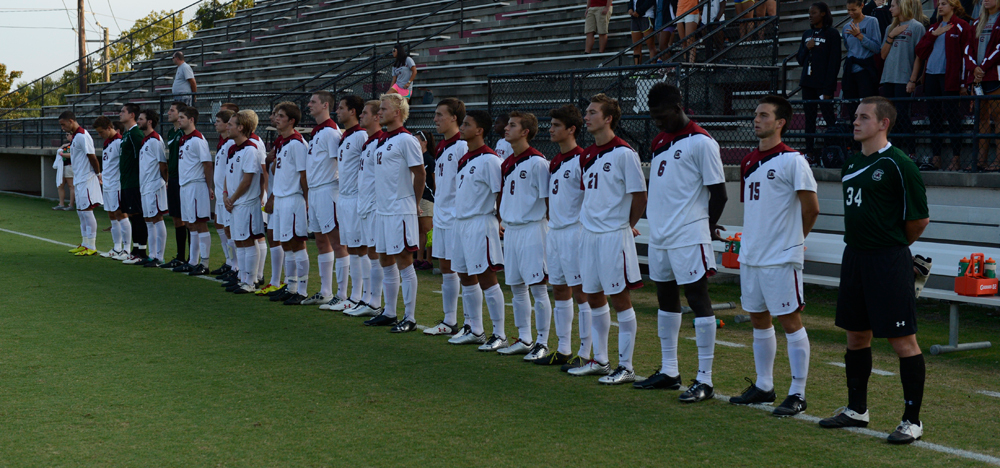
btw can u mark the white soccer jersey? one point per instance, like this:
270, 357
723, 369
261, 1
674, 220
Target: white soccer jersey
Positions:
349, 160
684, 164
504, 150
396, 153
79, 148
262, 157
321, 167
192, 153
446, 158
243, 159
611, 174
525, 188
150, 156
480, 178
289, 162
366, 175
111, 155
221, 167
565, 192
772, 212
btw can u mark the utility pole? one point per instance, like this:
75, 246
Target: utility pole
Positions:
107, 52
81, 27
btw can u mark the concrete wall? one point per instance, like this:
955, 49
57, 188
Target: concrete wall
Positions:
29, 170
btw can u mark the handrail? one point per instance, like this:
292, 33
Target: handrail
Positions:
249, 29
755, 30
418, 20
334, 67
670, 23
720, 27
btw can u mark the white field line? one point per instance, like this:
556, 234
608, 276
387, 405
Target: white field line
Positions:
989, 393
37, 238
723, 343
874, 371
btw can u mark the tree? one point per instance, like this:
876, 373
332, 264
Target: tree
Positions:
7, 85
142, 42
209, 13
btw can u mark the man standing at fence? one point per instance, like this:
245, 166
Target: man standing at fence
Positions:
83, 157
885, 212
184, 85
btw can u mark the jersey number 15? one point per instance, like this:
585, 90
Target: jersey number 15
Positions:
754, 191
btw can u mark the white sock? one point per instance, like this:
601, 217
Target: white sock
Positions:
704, 328
150, 240
302, 271
586, 326
390, 283
126, 227
627, 327
277, 263
494, 304
450, 285
357, 279
261, 245
116, 234
291, 274
90, 225
601, 318
325, 262
798, 357
408, 280
83, 228
564, 326
376, 284
205, 239
521, 303
241, 257
543, 312
161, 239
343, 265
252, 260
194, 249
224, 241
765, 345
233, 254
472, 307
668, 328
365, 266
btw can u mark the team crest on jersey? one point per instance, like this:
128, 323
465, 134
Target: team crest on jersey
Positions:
348, 146
566, 175
524, 174
472, 170
607, 167
449, 157
770, 174
877, 175
389, 148
677, 154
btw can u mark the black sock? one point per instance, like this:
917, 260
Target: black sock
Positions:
181, 235
139, 236
859, 368
911, 373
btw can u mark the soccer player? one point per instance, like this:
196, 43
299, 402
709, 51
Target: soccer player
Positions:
614, 198
399, 172
779, 209
261, 242
289, 220
131, 198
153, 185
121, 231
196, 171
523, 201
687, 193
174, 208
885, 212
222, 216
371, 299
86, 180
478, 254
503, 148
242, 192
349, 164
271, 238
447, 116
562, 245
321, 172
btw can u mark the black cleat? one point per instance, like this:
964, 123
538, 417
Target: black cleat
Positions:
792, 405
230, 282
845, 417
183, 268
173, 263
234, 287
753, 395
153, 263
293, 299
658, 381
380, 320
403, 327
284, 296
198, 270
227, 275
221, 270
573, 363
554, 358
697, 392
144, 261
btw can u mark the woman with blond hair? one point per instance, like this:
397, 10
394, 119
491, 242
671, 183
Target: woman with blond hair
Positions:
985, 77
899, 76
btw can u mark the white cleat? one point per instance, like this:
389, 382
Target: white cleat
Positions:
317, 298
132, 260
906, 433
468, 338
493, 343
120, 255
537, 351
592, 367
338, 305
362, 310
108, 254
465, 330
619, 376
441, 329
518, 347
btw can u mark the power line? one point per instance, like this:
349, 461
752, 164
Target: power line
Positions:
68, 17
37, 27
114, 17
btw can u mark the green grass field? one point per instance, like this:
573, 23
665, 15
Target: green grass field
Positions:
103, 364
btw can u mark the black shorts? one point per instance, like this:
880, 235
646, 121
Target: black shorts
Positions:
642, 24
876, 292
174, 198
131, 201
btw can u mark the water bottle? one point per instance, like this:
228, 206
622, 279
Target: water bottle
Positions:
963, 266
991, 268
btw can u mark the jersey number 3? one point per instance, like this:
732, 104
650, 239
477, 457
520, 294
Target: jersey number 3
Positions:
852, 198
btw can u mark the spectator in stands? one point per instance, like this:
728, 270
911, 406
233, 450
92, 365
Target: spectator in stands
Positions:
863, 40
690, 16
986, 78
404, 69
740, 7
715, 12
880, 10
977, 8
229, 107
184, 85
765, 8
425, 211
968, 5
819, 56
596, 20
643, 13
899, 76
665, 11
942, 49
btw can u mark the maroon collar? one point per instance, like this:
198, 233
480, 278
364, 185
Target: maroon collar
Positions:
151, 135
485, 149
328, 123
374, 137
351, 131
235, 148
280, 142
443, 145
194, 134
510, 163
118, 136
563, 157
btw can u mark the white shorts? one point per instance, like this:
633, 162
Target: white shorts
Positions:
154, 204
112, 200
477, 242
349, 221
289, 219
196, 204
562, 253
396, 233
222, 216
323, 208
608, 262
443, 243
683, 264
89, 194
690, 18
368, 228
777, 290
524, 253
248, 222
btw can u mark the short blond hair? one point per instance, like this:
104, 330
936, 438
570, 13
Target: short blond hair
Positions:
399, 102
247, 120
373, 106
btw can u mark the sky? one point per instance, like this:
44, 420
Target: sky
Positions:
41, 29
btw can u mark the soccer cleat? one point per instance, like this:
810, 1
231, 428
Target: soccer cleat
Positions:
226, 275
144, 261
246, 289
845, 417
339, 305
465, 330
153, 263
225, 268
266, 289
619, 376
554, 358
467, 337
109, 254
793, 404
442, 329
233, 287
362, 309
198, 270
517, 347
283, 296
173, 263
76, 249
906, 433
922, 271
230, 282
698, 391
573, 363
292, 299
277, 291
132, 260
317, 298
592, 367
493, 343
381, 320
86, 253
182, 268
658, 381
753, 395
121, 256
536, 352
403, 327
